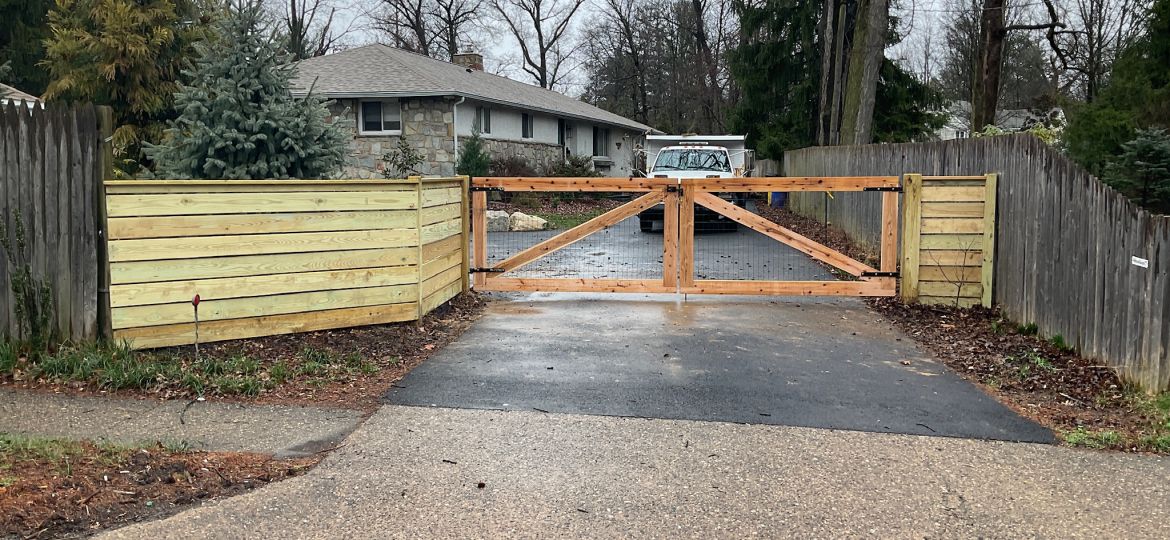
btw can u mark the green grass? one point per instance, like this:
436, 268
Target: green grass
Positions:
1092, 439
1029, 329
1059, 342
115, 366
60, 453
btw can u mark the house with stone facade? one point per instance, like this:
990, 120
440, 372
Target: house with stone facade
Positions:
384, 94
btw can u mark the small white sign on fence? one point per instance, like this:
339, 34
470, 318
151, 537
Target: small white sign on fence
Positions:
1138, 261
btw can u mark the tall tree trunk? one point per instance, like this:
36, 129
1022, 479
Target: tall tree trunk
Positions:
985, 100
709, 69
828, 46
865, 62
834, 135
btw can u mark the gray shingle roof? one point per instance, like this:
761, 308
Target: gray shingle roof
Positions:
383, 71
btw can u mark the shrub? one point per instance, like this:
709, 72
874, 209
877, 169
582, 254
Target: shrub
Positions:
473, 157
403, 161
573, 166
511, 166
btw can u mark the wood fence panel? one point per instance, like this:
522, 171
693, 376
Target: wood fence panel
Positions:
1064, 241
270, 261
49, 175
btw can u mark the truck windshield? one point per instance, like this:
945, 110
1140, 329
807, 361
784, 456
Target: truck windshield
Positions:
692, 159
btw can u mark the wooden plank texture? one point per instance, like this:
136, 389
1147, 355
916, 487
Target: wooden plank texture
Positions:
253, 244
222, 224
184, 334
242, 308
232, 203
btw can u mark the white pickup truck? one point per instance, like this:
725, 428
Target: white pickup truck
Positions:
696, 156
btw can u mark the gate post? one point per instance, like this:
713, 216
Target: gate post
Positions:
670, 238
686, 234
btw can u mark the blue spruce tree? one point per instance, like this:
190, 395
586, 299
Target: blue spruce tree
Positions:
238, 118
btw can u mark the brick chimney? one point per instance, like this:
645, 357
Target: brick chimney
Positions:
470, 60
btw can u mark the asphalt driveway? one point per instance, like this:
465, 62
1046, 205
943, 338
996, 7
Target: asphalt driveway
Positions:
824, 363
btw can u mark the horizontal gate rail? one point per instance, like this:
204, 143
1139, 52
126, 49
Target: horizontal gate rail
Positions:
575, 184
786, 184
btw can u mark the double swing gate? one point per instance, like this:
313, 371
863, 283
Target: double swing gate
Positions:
597, 245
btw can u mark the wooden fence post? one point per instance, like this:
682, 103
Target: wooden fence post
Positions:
465, 217
989, 224
911, 229
105, 116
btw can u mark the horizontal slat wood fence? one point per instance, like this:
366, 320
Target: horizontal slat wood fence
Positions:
50, 174
1066, 243
948, 232
275, 257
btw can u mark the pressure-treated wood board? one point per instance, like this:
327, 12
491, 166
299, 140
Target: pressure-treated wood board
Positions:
953, 194
252, 265
441, 196
242, 308
952, 210
576, 285
787, 184
867, 287
950, 289
159, 187
257, 244
447, 245
944, 257
952, 225
440, 280
436, 214
576, 184
250, 203
183, 334
137, 294
444, 294
436, 266
439, 231
225, 224
965, 274
960, 242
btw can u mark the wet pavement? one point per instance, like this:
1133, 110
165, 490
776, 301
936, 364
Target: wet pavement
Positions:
827, 363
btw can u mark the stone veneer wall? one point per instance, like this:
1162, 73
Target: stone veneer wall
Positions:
539, 156
426, 125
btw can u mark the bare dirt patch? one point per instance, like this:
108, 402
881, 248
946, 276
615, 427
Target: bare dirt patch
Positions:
347, 368
52, 489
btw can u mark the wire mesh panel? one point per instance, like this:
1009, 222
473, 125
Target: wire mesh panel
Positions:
620, 251
744, 254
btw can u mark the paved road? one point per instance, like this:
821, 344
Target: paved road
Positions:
413, 472
624, 251
829, 363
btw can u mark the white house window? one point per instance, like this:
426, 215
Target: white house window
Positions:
525, 126
381, 118
483, 119
600, 141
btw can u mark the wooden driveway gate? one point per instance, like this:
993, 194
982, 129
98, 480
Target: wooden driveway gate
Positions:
677, 273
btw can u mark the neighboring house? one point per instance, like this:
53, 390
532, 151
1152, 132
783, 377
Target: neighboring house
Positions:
958, 120
383, 93
9, 94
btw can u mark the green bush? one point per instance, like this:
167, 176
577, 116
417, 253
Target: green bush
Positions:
473, 157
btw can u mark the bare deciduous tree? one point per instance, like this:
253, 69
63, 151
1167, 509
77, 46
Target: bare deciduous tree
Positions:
542, 31
310, 27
